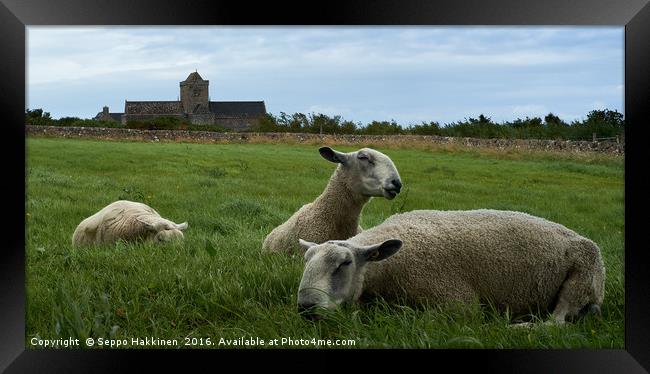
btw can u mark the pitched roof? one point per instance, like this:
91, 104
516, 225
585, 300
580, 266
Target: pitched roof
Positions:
153, 107
238, 108
193, 77
116, 116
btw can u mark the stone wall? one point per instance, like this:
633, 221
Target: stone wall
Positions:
235, 123
148, 117
608, 146
201, 119
149, 107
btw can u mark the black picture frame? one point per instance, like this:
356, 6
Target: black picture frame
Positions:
15, 15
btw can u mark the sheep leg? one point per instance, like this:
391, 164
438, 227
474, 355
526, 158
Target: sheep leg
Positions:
574, 294
584, 285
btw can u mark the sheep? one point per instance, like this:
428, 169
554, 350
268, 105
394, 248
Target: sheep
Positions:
335, 213
129, 221
515, 260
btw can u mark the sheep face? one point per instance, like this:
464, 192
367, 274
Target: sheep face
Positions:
371, 172
334, 271
165, 236
162, 230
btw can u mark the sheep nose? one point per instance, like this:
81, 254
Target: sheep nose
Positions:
304, 307
397, 184
307, 311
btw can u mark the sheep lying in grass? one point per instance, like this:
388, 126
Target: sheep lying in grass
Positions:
513, 259
126, 220
335, 213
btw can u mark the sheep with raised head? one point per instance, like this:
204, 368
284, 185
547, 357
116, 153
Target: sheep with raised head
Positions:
515, 260
335, 213
129, 221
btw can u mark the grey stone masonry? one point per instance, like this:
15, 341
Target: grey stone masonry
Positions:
605, 146
193, 107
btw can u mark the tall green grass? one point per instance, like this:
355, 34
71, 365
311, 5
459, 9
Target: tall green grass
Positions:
218, 284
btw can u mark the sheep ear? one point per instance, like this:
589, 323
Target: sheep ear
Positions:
181, 226
148, 224
381, 251
305, 245
333, 156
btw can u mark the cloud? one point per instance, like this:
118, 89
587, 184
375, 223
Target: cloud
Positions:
598, 105
86, 52
328, 109
529, 110
363, 73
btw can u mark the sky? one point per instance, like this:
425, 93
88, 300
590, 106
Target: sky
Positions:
407, 74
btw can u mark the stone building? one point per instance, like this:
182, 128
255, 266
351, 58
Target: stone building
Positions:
104, 115
194, 107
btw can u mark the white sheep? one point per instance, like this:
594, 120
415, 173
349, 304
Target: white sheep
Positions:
512, 259
335, 213
129, 221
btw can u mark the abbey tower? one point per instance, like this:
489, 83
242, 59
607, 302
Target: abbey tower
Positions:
195, 95
194, 107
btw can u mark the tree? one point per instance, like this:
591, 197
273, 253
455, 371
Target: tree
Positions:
552, 119
38, 117
603, 123
483, 120
324, 124
555, 127
68, 121
348, 127
610, 117
299, 123
382, 128
431, 128
267, 123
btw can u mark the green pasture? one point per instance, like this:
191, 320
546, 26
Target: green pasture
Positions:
218, 284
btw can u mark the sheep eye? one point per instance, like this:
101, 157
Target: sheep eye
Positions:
341, 266
365, 158
344, 263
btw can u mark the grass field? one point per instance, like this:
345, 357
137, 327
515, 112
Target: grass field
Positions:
217, 283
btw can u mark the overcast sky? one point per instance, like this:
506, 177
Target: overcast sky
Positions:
409, 74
